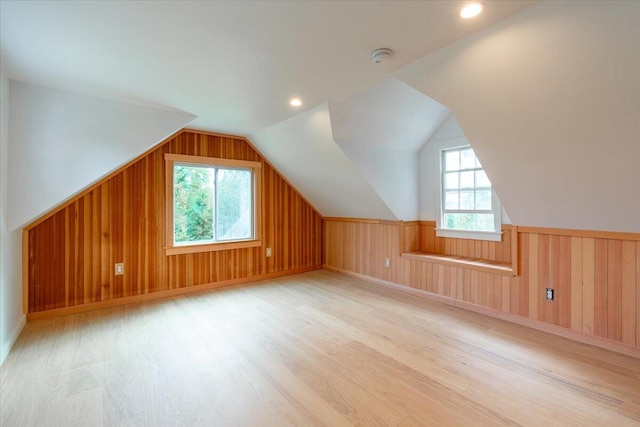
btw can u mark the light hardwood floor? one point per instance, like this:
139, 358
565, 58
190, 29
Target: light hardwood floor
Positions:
311, 349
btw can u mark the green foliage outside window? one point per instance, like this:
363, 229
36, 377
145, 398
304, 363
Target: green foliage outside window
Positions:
196, 200
193, 199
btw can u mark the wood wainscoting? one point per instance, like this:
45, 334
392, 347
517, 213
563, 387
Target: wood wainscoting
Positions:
595, 275
70, 252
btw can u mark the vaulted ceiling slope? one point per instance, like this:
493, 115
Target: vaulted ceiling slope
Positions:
550, 100
549, 95
234, 64
61, 142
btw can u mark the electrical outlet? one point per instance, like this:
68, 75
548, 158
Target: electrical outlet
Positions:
550, 294
119, 268
268, 252
386, 262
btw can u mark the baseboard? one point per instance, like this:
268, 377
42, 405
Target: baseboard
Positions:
603, 343
57, 312
12, 339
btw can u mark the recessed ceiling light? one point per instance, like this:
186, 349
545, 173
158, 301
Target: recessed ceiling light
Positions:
471, 10
295, 102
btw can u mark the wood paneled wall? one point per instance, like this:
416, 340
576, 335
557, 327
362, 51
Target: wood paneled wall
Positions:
484, 249
596, 278
72, 251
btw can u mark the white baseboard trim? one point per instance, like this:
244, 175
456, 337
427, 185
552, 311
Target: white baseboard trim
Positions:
6, 348
603, 343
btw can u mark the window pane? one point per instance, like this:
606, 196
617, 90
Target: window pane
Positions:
482, 180
451, 200
233, 208
467, 159
466, 200
452, 160
466, 179
478, 165
451, 181
193, 191
474, 222
483, 199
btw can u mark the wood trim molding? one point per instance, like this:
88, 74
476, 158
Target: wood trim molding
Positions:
362, 220
256, 167
603, 343
616, 235
515, 250
40, 315
461, 262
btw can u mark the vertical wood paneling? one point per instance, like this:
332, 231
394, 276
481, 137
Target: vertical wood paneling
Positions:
614, 289
72, 253
637, 294
533, 277
628, 293
576, 284
596, 280
600, 288
588, 285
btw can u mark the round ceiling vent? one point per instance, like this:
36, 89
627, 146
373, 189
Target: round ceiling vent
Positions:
381, 55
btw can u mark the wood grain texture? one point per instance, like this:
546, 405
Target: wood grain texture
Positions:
317, 349
595, 279
72, 252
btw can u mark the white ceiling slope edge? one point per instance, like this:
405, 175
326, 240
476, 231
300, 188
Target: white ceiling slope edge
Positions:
302, 149
550, 100
389, 115
381, 130
61, 142
235, 63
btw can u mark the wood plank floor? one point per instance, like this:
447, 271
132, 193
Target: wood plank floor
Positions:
311, 349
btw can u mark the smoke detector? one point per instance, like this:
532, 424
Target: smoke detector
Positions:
381, 55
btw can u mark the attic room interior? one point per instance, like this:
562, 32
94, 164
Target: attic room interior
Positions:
319, 213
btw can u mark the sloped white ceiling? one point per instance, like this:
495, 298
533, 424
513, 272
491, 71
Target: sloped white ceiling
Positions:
381, 130
390, 115
550, 100
234, 64
358, 157
60, 142
303, 149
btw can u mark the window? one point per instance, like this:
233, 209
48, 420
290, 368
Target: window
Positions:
212, 204
469, 207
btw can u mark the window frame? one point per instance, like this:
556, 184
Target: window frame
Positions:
171, 248
496, 206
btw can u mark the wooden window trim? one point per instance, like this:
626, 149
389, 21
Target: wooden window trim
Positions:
170, 247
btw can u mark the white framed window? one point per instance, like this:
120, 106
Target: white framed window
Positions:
212, 204
469, 208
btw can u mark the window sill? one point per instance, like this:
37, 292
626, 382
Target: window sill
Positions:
211, 247
494, 236
478, 264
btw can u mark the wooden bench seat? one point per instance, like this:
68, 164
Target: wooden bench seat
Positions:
485, 265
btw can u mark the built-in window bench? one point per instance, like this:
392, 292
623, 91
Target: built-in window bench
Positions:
418, 241
485, 265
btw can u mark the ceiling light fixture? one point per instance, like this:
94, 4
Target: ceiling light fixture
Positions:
381, 55
471, 10
295, 102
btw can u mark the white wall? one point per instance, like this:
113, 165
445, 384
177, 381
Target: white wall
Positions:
302, 149
54, 144
392, 174
61, 142
449, 135
11, 318
550, 99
